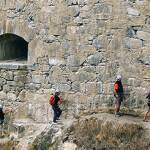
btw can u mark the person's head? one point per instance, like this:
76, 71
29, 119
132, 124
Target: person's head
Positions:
118, 78
57, 92
52, 91
1, 107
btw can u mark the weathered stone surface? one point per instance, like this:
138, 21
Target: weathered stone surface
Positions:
91, 88
75, 10
84, 76
143, 35
2, 81
95, 59
8, 75
75, 43
69, 146
32, 86
38, 78
62, 87
100, 87
73, 61
72, 2
3, 96
22, 96
21, 78
133, 12
133, 43
75, 86
11, 96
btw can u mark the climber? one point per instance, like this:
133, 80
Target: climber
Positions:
118, 93
148, 103
2, 115
55, 100
3, 112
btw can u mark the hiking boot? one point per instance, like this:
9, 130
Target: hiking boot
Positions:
117, 114
145, 120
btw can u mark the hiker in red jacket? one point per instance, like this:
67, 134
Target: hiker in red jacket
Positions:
118, 93
55, 100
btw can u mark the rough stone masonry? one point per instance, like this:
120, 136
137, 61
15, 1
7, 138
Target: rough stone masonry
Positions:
78, 47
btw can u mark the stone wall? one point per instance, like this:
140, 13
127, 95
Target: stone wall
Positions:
79, 46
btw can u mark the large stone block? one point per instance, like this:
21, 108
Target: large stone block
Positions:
133, 12
72, 2
38, 78
8, 88
95, 59
84, 76
62, 87
91, 88
99, 87
11, 96
3, 96
21, 78
75, 10
133, 43
75, 86
73, 61
2, 81
143, 35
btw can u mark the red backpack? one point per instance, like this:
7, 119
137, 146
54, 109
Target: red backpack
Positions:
52, 100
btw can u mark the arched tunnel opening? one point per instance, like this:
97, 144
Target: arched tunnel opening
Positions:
13, 47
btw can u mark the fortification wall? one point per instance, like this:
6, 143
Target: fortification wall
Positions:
79, 46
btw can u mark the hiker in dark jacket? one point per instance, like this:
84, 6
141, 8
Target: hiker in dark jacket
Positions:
148, 103
55, 106
118, 93
2, 115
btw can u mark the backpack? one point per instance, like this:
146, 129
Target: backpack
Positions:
52, 100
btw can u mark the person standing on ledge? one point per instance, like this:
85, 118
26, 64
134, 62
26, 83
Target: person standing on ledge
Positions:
2, 115
118, 93
55, 100
148, 103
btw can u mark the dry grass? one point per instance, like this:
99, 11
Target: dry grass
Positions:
7, 144
105, 135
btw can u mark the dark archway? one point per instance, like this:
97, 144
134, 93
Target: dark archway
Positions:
13, 47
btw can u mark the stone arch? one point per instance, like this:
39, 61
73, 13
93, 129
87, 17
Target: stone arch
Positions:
22, 30
13, 47
19, 28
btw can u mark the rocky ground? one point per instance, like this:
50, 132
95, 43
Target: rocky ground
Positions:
97, 131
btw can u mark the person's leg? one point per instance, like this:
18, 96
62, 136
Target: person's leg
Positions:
146, 114
117, 105
2, 128
59, 111
55, 113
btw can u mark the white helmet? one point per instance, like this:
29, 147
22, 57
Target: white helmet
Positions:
118, 77
58, 91
52, 91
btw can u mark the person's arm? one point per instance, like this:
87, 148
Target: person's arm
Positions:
116, 87
60, 100
148, 96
